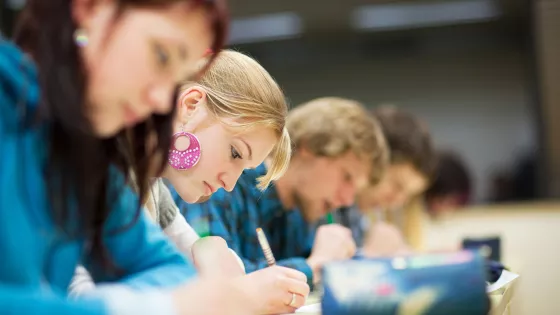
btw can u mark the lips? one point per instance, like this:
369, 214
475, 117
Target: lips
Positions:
209, 189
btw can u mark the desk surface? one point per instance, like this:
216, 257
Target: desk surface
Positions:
312, 299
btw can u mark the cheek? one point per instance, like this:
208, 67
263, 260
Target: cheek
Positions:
207, 167
213, 161
119, 74
182, 185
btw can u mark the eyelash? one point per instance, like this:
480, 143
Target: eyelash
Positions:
235, 154
161, 55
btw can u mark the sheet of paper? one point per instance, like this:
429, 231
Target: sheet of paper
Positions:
505, 278
309, 308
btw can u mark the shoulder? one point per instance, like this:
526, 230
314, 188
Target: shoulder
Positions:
249, 176
246, 187
123, 198
18, 85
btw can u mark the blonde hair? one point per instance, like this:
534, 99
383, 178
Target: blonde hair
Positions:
238, 87
333, 126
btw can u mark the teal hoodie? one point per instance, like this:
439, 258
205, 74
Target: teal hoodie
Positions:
36, 260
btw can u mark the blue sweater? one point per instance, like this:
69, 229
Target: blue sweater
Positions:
37, 261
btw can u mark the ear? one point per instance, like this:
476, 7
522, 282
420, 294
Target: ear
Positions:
190, 102
82, 12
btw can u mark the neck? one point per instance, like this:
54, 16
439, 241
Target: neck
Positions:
286, 185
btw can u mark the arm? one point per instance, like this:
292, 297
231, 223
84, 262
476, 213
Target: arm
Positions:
15, 300
220, 216
81, 283
173, 224
176, 227
145, 255
182, 234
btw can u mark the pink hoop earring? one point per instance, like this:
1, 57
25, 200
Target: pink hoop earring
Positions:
188, 158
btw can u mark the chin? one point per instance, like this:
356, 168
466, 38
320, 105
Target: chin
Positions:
190, 198
106, 131
203, 199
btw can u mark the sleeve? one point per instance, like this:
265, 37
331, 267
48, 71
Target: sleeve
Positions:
139, 249
168, 211
81, 283
221, 216
16, 300
182, 234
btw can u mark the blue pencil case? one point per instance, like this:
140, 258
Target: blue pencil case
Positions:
434, 284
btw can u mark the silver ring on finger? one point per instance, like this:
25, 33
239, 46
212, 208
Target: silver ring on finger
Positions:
293, 301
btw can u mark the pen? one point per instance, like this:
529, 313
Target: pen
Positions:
265, 247
330, 218
202, 227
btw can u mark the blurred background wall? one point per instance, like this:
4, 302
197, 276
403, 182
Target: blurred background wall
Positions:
467, 67
472, 86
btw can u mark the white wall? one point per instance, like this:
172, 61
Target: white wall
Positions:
475, 99
529, 239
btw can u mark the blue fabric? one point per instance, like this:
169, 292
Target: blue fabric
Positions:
38, 260
235, 217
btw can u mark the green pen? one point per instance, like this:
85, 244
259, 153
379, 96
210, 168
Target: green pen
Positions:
330, 218
202, 228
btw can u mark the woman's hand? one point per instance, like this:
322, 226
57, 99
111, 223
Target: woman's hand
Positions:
264, 292
271, 290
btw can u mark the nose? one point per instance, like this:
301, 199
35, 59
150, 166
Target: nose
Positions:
347, 195
229, 179
160, 97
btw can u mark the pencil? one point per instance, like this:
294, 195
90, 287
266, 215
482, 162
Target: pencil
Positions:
265, 247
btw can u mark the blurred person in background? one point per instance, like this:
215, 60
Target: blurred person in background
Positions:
451, 188
412, 163
338, 149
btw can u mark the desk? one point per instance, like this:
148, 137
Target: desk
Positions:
312, 299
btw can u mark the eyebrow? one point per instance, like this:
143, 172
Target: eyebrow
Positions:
250, 157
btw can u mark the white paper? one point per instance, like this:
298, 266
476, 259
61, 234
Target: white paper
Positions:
504, 280
309, 308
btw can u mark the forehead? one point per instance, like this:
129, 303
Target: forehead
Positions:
260, 139
359, 168
179, 25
